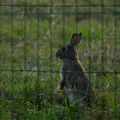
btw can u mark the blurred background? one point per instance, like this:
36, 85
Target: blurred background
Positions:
30, 34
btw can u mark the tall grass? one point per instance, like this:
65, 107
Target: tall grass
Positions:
30, 94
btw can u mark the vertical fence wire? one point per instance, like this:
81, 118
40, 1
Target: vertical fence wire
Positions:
51, 39
63, 23
51, 35
37, 98
102, 38
89, 39
102, 49
76, 1
115, 63
12, 52
25, 58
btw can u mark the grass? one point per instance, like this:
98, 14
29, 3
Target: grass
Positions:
30, 94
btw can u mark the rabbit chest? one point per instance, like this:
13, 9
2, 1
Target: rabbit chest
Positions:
73, 75
68, 74
65, 69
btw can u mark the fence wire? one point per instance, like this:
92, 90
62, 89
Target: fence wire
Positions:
29, 37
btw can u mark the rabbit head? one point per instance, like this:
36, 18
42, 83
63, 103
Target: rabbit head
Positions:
69, 51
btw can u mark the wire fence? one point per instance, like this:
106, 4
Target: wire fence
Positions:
30, 34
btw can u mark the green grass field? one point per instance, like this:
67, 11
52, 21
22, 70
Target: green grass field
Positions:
29, 71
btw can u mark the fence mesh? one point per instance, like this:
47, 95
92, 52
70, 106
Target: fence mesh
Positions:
30, 34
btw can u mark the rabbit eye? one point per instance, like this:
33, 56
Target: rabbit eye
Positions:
63, 49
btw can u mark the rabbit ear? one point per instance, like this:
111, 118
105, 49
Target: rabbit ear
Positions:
75, 39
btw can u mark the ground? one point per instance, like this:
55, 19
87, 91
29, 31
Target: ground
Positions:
29, 71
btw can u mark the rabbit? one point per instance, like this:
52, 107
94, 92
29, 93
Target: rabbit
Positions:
74, 83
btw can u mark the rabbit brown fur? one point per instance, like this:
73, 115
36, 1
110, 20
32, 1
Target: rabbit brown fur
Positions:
74, 83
